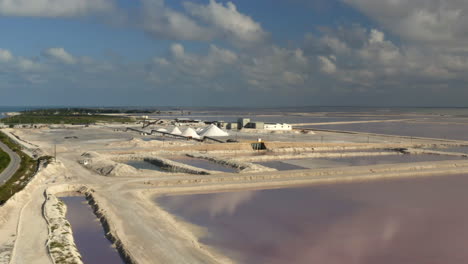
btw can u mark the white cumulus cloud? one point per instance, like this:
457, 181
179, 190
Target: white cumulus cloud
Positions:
60, 54
163, 22
237, 27
442, 22
327, 66
5, 55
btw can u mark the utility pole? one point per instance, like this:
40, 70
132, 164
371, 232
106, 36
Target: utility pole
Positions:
55, 152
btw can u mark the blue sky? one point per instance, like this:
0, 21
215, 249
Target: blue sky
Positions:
234, 53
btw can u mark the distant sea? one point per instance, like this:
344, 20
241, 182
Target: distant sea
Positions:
6, 109
290, 114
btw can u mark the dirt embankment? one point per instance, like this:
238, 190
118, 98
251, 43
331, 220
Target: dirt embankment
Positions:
174, 166
315, 155
212, 148
61, 244
243, 167
165, 164
105, 166
311, 176
317, 146
434, 152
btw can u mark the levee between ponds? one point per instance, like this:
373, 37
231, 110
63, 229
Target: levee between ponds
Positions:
174, 166
163, 163
281, 179
242, 167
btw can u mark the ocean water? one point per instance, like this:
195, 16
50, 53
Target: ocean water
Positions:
6, 109
424, 118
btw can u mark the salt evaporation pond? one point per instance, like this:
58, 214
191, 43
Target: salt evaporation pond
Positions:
315, 163
204, 164
443, 131
140, 164
453, 149
88, 233
420, 220
279, 165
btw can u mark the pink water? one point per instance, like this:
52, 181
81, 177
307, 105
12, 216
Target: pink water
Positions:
414, 221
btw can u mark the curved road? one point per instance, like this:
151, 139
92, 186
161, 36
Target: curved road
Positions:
12, 167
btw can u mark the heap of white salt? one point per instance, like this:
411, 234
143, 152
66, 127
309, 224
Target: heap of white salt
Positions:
189, 132
213, 131
176, 131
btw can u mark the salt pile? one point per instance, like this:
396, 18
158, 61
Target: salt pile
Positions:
176, 131
189, 132
213, 131
162, 130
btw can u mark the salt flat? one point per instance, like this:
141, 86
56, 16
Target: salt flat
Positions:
149, 234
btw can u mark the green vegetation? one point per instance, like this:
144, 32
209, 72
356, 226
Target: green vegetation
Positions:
86, 111
28, 118
55, 244
23, 175
4, 160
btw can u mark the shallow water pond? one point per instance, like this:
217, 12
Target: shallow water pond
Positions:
143, 165
443, 131
315, 163
204, 164
88, 233
420, 220
281, 166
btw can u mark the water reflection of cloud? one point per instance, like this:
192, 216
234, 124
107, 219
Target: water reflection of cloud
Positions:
349, 241
227, 203
212, 204
80, 213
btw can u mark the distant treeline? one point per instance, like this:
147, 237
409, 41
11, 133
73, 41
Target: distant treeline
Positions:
26, 118
86, 111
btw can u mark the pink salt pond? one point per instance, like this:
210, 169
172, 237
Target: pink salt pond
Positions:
420, 220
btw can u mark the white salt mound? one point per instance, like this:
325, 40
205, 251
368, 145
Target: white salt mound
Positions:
189, 132
176, 131
162, 130
213, 131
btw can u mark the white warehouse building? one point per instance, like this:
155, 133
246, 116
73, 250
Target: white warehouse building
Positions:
283, 126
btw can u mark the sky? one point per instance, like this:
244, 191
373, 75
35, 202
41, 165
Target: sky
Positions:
234, 53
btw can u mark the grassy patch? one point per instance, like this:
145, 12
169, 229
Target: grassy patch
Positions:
4, 160
57, 245
23, 175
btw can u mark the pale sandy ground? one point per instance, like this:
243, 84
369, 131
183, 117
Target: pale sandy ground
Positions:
148, 233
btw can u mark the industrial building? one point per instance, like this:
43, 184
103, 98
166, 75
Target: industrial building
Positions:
247, 123
283, 126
